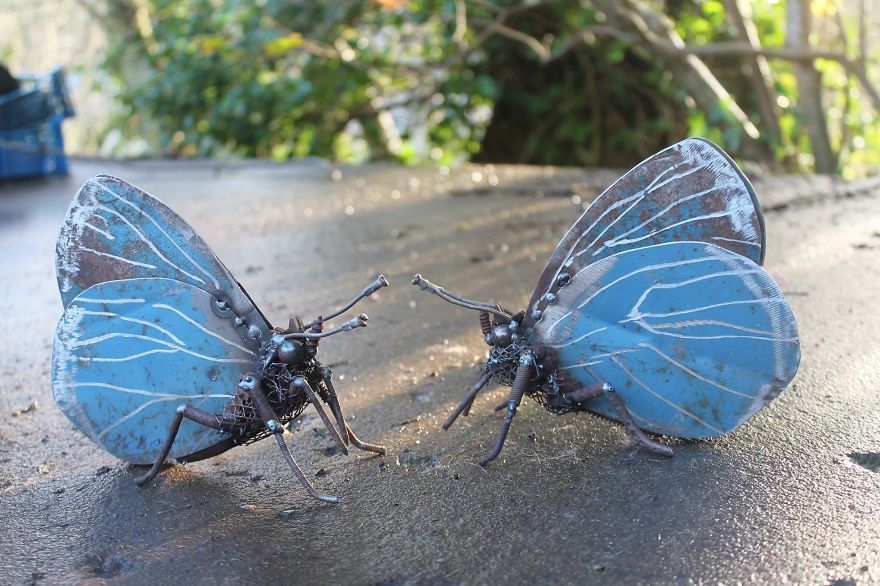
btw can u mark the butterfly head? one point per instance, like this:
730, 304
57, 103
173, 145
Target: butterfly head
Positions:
504, 332
298, 344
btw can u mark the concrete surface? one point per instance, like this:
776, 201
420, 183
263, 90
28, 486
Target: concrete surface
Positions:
792, 497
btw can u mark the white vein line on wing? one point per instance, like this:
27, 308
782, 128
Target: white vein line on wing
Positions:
641, 195
634, 315
592, 358
203, 328
651, 329
591, 227
120, 258
662, 212
144, 406
162, 230
738, 273
666, 265
615, 353
675, 406
695, 374
636, 415
655, 185
149, 242
137, 321
557, 322
168, 395
92, 300
746, 242
113, 335
611, 224
165, 351
579, 365
578, 339
638, 197
710, 322
103, 233
568, 257
727, 212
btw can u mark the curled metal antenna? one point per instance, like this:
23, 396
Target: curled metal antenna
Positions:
450, 297
357, 322
380, 282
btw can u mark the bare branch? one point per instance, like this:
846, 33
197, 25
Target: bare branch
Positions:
740, 12
460, 22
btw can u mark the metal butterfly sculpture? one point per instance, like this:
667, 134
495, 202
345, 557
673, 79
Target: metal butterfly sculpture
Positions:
156, 332
653, 310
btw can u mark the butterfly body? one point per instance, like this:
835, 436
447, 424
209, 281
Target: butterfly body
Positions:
653, 310
161, 353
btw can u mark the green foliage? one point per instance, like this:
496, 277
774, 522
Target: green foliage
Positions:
281, 79
390, 79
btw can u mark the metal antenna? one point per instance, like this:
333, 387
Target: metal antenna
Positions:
358, 322
450, 297
380, 282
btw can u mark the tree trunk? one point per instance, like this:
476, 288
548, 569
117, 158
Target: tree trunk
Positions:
809, 80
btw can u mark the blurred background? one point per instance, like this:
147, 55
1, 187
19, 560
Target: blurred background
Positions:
793, 85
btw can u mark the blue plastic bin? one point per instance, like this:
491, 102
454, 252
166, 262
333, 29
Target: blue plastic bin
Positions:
32, 151
31, 143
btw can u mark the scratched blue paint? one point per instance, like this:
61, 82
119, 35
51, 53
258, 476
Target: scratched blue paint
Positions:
693, 337
128, 353
131, 234
115, 231
691, 191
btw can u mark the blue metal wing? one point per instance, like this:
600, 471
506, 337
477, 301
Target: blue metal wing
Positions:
691, 191
128, 353
115, 231
693, 337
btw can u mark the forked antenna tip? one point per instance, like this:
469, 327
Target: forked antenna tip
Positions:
357, 322
420, 281
381, 281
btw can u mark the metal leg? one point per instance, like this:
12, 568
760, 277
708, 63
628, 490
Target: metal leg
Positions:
299, 473
520, 382
465, 405
623, 414
303, 385
333, 401
356, 442
467, 408
251, 385
211, 451
184, 411
345, 430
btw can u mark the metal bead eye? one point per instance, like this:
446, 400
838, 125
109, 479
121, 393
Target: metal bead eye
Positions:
550, 298
291, 351
501, 336
563, 279
254, 332
536, 315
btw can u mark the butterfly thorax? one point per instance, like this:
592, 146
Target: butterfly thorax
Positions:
544, 385
282, 361
503, 360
